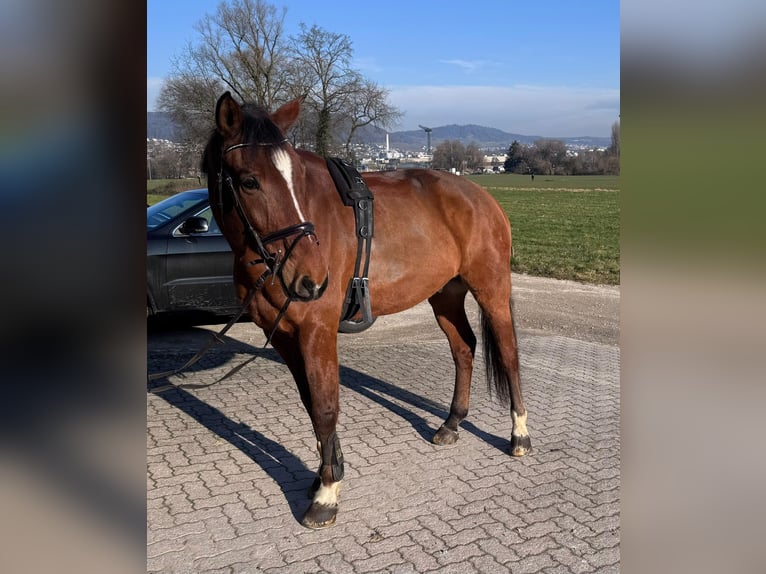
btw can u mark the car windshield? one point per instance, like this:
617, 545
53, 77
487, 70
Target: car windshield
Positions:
162, 212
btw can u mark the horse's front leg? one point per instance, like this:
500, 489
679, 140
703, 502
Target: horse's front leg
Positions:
313, 361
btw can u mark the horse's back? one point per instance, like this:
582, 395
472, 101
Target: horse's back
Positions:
437, 202
427, 182
431, 226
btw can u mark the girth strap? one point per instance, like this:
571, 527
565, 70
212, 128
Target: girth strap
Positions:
354, 192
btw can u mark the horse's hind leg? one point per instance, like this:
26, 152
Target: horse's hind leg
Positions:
449, 308
490, 284
501, 355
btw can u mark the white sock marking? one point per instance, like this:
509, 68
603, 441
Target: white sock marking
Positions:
519, 424
285, 166
328, 495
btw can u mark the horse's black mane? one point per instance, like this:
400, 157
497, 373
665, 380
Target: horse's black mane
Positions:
257, 128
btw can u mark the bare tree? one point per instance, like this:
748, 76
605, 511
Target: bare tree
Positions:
257, 58
368, 105
242, 48
324, 65
587, 162
474, 157
552, 155
449, 155
242, 44
191, 101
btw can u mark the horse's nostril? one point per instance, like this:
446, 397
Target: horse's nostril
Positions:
305, 289
309, 285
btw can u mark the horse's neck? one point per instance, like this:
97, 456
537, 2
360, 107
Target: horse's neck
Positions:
319, 183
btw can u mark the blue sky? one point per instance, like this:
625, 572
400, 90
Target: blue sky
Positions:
548, 68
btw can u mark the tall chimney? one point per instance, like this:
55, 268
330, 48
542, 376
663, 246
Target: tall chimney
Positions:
386, 142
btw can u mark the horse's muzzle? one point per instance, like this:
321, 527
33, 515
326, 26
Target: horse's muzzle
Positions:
305, 289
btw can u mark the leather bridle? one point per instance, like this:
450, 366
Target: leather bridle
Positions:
274, 262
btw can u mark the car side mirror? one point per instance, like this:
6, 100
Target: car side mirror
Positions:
194, 225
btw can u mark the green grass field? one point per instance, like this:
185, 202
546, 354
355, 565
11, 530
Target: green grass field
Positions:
565, 227
159, 189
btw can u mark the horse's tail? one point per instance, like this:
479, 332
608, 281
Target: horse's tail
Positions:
498, 377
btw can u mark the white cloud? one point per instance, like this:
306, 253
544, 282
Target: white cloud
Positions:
467, 65
529, 110
153, 86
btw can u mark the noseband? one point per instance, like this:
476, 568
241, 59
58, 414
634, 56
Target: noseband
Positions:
274, 261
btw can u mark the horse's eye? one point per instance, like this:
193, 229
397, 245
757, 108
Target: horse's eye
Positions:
251, 183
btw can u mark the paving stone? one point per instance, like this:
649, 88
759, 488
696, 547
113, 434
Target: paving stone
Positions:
538, 545
458, 554
570, 561
379, 562
531, 564
488, 563
228, 466
603, 558
420, 559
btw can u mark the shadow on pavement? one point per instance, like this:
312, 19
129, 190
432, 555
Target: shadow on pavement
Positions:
373, 389
287, 470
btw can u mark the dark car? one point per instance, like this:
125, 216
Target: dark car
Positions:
188, 261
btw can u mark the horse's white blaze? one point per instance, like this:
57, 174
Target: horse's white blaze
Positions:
284, 165
328, 495
519, 424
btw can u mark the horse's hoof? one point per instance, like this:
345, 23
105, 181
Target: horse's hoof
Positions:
445, 436
520, 445
320, 516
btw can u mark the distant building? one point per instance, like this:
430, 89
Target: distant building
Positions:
494, 163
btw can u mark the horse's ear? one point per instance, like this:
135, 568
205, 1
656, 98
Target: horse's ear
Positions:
285, 117
228, 116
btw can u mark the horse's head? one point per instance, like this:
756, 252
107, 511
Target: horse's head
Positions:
257, 187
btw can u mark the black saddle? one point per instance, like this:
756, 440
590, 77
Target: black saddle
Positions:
354, 192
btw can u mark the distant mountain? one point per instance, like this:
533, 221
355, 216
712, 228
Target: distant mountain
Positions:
482, 136
160, 126
415, 139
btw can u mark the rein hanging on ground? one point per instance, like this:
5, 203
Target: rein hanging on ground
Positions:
214, 340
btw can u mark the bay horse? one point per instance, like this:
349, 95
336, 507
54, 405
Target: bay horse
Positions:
437, 236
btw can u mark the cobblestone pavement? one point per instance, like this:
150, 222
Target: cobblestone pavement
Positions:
229, 465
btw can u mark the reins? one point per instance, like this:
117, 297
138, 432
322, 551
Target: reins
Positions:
214, 340
273, 262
